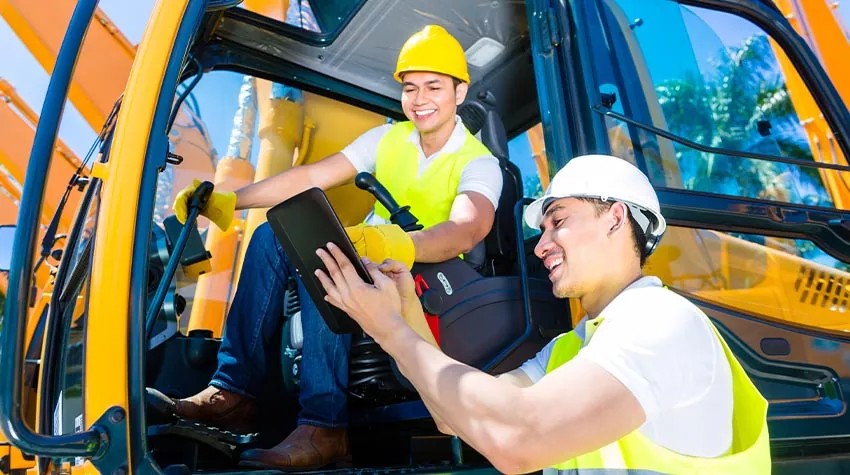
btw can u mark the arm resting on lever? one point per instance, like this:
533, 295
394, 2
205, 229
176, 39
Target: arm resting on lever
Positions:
327, 173
469, 222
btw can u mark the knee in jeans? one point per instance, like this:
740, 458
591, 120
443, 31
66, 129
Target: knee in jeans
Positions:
263, 235
264, 238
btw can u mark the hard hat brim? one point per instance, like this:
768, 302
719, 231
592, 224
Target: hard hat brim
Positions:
533, 214
401, 72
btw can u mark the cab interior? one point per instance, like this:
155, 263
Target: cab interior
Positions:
718, 251
501, 311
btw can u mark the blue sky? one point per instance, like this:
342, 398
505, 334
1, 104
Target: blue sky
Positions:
30, 80
216, 93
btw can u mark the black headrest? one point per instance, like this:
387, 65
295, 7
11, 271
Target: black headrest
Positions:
473, 115
481, 115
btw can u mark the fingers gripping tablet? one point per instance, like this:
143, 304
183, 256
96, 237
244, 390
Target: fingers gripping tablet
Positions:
303, 224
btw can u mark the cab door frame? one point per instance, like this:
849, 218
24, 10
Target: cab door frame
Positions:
829, 229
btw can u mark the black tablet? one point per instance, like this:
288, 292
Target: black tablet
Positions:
303, 224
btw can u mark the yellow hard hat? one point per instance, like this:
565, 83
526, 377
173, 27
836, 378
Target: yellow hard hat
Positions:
435, 50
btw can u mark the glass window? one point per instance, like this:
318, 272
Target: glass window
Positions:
72, 309
315, 19
715, 79
7, 239
842, 14
528, 152
783, 279
719, 80
233, 130
249, 129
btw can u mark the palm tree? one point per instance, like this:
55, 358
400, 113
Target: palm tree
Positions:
728, 109
725, 109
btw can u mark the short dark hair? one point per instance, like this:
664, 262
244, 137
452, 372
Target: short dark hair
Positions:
455, 81
638, 237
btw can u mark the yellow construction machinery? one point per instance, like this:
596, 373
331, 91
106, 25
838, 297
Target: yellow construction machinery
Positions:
728, 110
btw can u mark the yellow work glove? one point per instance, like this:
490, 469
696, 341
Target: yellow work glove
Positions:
219, 208
383, 241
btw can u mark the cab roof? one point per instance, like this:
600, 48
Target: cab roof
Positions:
353, 59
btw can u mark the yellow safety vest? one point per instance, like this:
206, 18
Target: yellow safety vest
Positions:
636, 454
429, 196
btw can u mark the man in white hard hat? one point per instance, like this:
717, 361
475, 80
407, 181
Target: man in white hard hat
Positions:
644, 382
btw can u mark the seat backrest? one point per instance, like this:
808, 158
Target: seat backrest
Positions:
482, 119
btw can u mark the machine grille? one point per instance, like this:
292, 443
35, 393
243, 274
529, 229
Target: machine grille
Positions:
822, 289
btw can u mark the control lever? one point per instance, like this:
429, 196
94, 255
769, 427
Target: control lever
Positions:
196, 203
399, 215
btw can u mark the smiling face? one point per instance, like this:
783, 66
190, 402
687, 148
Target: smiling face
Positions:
582, 246
430, 100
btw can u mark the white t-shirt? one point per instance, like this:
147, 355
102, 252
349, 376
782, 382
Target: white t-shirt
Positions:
662, 348
481, 174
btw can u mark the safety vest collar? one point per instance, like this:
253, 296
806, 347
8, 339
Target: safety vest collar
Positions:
453, 144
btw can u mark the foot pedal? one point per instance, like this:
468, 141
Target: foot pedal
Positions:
224, 441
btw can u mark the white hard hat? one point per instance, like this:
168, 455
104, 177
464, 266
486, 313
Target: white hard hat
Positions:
607, 178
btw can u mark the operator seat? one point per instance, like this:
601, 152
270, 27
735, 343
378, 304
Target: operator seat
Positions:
495, 255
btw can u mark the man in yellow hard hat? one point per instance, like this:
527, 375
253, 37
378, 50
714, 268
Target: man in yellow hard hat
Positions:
432, 163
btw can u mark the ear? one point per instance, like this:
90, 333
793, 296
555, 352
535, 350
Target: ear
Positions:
460, 93
619, 216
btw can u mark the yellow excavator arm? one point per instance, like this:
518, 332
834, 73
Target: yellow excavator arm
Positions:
100, 77
16, 140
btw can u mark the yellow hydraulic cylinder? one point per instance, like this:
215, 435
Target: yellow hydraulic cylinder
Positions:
213, 289
538, 151
235, 171
280, 131
271, 8
815, 22
820, 136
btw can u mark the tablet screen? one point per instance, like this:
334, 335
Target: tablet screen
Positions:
303, 224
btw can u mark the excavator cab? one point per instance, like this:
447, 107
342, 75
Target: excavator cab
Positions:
493, 309
720, 102
485, 310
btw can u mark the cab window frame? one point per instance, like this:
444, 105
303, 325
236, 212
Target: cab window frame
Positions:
768, 20
700, 210
73, 279
322, 38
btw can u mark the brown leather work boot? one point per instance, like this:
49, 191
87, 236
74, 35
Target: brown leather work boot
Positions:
306, 448
219, 408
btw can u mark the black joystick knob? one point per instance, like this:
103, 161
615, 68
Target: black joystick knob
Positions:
399, 215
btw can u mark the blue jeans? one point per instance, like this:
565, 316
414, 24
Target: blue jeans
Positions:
248, 360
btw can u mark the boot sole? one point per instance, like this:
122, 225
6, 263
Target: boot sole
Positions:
342, 463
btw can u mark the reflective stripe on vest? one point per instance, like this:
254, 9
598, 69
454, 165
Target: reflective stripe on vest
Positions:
431, 195
636, 454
